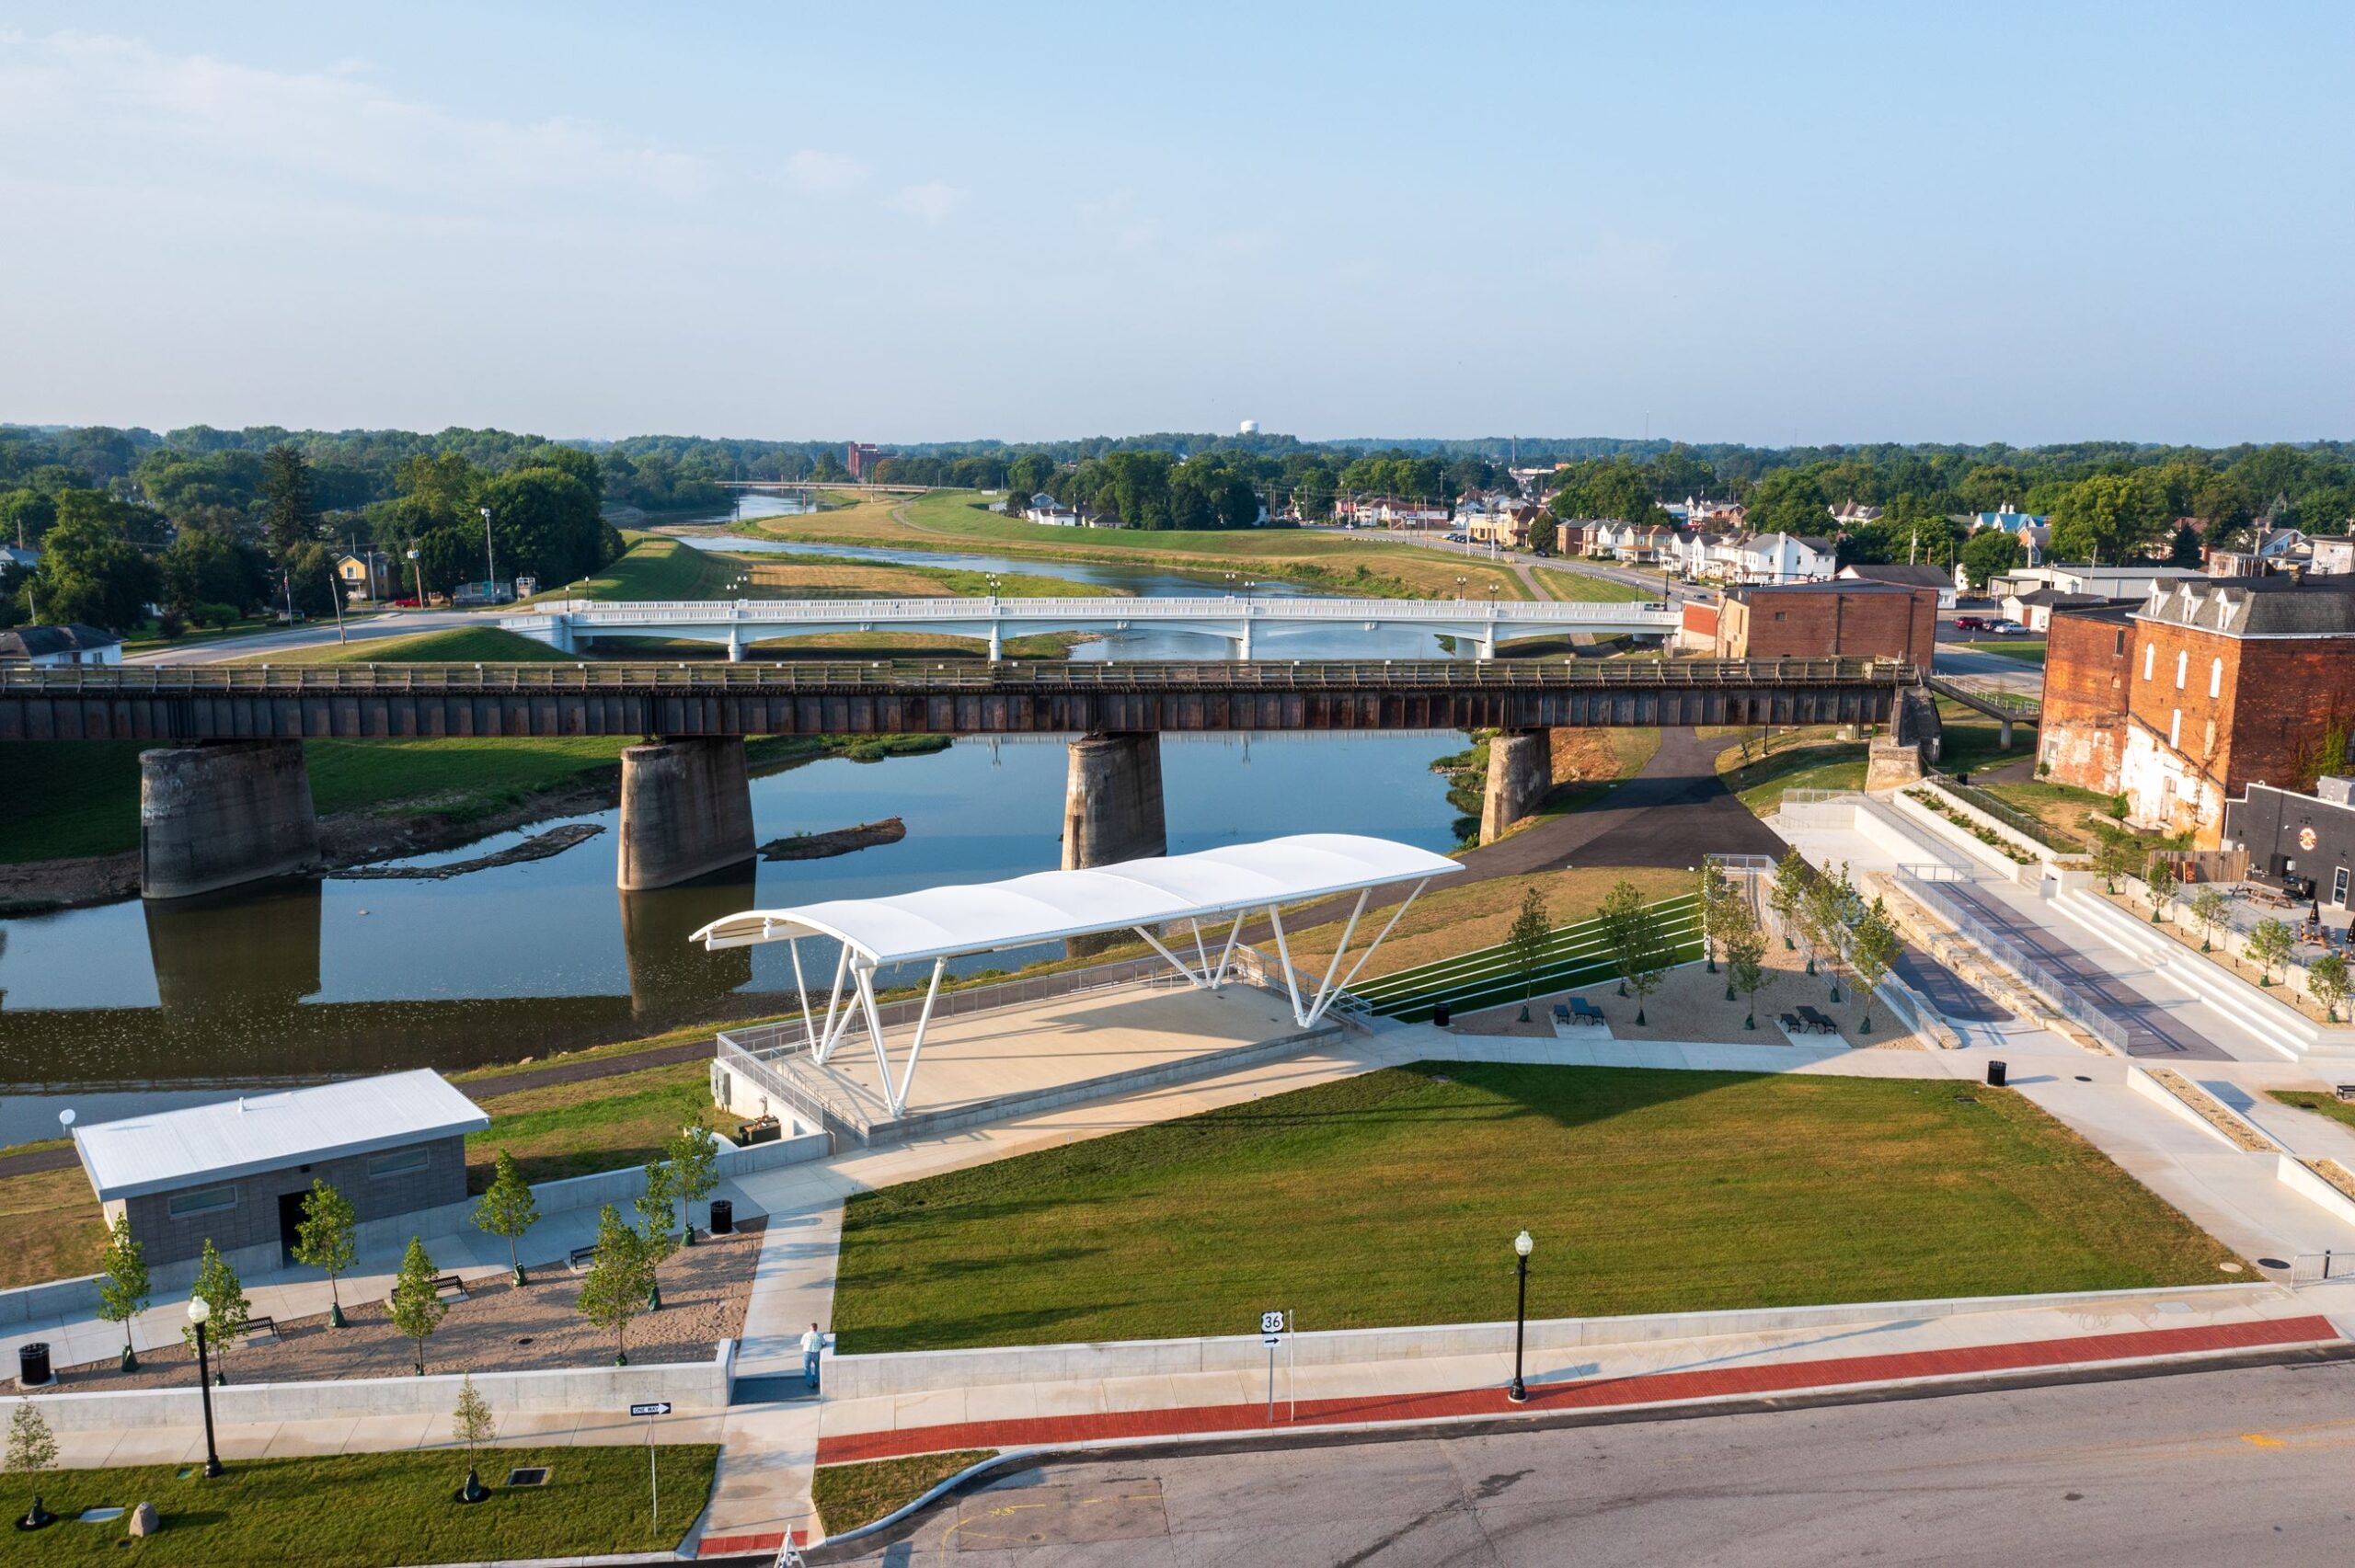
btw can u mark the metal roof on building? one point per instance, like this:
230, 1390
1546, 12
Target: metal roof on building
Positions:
2255, 607
172, 1150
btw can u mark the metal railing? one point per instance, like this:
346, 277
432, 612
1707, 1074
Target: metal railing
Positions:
2032, 828
784, 1039
2060, 994
1108, 607
969, 675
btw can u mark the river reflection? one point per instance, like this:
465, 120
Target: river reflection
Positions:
300, 981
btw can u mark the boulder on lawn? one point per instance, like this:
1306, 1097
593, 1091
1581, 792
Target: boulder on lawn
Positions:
145, 1520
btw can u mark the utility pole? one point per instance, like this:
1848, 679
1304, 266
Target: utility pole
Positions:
490, 561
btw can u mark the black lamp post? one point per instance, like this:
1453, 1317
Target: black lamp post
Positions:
200, 1311
1519, 1392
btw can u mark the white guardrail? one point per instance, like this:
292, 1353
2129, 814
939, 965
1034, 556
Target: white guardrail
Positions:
1650, 614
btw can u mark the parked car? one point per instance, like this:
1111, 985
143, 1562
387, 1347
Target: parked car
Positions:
2005, 628
1971, 623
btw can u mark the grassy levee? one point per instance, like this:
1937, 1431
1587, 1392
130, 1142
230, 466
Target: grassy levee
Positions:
456, 644
653, 567
1344, 563
1574, 954
365, 1510
1569, 583
1391, 1198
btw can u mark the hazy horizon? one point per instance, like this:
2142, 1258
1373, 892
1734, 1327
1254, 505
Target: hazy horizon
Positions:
1764, 224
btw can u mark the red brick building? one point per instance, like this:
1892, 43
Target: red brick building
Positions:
861, 459
2226, 683
1812, 620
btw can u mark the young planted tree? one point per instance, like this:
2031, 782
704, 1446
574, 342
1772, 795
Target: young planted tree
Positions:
31, 1449
418, 1306
508, 1208
1712, 892
1526, 942
2161, 876
2118, 856
1793, 876
473, 1424
2327, 979
615, 1289
1746, 968
122, 1284
2268, 944
2209, 908
1873, 948
1822, 921
654, 1211
694, 1157
218, 1284
326, 1239
1632, 931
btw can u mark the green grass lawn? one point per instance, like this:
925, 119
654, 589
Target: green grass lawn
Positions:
1563, 582
1801, 764
850, 1495
2318, 1102
2021, 648
368, 1510
653, 567
598, 1123
1393, 1197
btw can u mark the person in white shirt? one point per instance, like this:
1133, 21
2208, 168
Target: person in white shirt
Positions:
811, 1342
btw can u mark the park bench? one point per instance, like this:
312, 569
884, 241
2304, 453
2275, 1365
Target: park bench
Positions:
581, 1258
2345, 1091
255, 1326
1791, 1024
1818, 1023
450, 1283
1561, 1013
1584, 1012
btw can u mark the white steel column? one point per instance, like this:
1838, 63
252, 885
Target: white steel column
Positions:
915, 1047
864, 979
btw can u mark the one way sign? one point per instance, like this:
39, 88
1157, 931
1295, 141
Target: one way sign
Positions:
661, 1409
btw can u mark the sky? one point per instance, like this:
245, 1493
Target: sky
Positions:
1759, 222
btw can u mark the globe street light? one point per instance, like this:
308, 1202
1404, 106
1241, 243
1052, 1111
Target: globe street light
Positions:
200, 1311
1519, 1392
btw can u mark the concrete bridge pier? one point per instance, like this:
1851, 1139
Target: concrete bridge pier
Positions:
213, 816
686, 810
1521, 771
998, 642
1112, 811
2004, 734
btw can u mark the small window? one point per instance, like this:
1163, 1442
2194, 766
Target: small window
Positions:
2174, 730
2216, 679
1781, 616
2182, 667
2118, 647
2150, 659
202, 1201
2339, 887
400, 1163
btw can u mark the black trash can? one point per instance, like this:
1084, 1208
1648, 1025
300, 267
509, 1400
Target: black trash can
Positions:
1995, 1075
32, 1364
1440, 1014
723, 1216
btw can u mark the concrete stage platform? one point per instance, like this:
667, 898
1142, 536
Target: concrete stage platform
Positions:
1031, 1056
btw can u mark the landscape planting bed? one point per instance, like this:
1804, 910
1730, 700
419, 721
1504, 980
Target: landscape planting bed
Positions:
1392, 1198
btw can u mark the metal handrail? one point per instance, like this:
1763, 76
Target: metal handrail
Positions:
1102, 607
919, 675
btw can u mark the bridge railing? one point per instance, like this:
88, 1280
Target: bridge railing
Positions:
659, 611
954, 676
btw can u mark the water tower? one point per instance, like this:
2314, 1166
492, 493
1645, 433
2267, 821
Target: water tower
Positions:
1251, 428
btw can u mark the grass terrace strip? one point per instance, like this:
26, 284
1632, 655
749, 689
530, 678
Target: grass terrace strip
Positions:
1577, 955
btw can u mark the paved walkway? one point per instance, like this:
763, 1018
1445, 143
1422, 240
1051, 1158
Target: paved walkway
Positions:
2152, 1029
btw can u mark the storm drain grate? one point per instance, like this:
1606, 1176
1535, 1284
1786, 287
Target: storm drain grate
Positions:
528, 1476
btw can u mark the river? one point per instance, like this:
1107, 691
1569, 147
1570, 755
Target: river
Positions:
134, 1007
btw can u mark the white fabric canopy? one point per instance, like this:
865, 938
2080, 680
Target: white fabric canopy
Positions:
1050, 905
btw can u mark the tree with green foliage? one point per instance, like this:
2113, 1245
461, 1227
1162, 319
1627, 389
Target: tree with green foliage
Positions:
417, 1305
123, 1287
1746, 966
2269, 945
218, 1286
2326, 981
1526, 940
654, 1213
508, 1208
1631, 931
1711, 890
2121, 854
615, 1291
693, 1158
2160, 875
290, 514
2107, 519
1787, 893
31, 1449
1990, 553
1873, 949
91, 572
2209, 909
471, 1423
328, 1239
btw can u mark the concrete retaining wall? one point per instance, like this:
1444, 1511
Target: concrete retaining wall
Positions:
859, 1377
691, 1387
2306, 1185
2150, 1088
1982, 856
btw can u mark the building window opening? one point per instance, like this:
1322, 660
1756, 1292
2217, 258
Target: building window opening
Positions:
2150, 659
205, 1200
2216, 678
400, 1161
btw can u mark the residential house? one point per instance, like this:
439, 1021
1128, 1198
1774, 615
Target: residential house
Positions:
364, 574
1855, 514
75, 644
2116, 583
2033, 531
2332, 557
1904, 573
2034, 608
1045, 509
2273, 550
1783, 557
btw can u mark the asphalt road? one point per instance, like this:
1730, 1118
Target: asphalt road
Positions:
2248, 1468
406, 623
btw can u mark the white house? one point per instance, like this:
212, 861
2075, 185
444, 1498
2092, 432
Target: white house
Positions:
1044, 508
76, 644
1783, 557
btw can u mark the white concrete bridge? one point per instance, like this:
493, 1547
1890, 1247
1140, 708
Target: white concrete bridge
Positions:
736, 623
